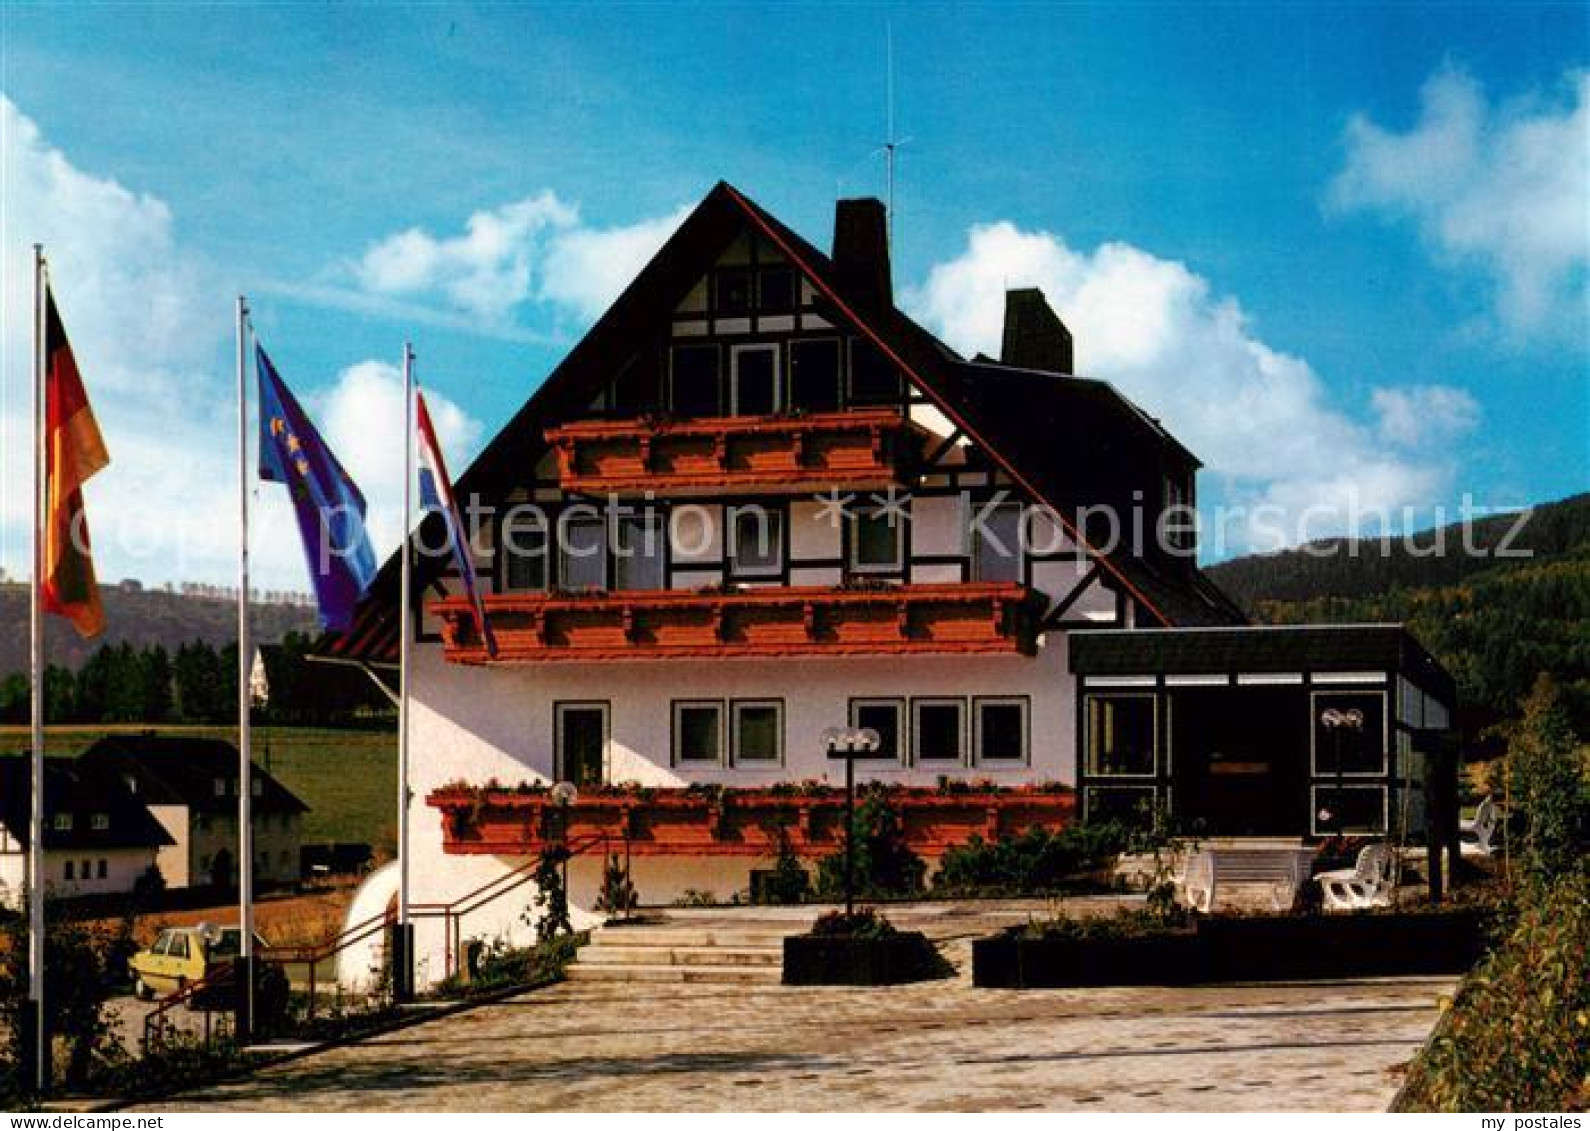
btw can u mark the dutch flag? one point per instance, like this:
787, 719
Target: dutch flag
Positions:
436, 493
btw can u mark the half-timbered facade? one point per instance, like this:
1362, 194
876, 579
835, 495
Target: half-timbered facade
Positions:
755, 502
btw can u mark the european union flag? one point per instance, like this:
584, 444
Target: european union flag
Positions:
329, 506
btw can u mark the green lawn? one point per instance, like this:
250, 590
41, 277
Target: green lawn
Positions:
348, 778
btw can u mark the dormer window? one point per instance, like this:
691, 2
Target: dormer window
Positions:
62, 822
100, 822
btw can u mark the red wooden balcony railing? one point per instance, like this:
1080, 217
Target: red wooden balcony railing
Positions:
732, 822
987, 618
859, 448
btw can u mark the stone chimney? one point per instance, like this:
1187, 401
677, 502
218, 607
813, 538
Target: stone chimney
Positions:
861, 252
1035, 338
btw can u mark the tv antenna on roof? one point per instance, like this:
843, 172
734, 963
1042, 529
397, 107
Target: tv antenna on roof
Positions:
891, 143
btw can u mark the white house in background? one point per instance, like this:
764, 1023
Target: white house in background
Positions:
190, 786
758, 501
98, 838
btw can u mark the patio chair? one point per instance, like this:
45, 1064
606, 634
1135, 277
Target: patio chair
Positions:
1478, 833
1367, 884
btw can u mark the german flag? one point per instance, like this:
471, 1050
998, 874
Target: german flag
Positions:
73, 452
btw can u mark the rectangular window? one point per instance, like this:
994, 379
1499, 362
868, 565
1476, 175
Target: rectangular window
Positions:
582, 557
698, 733
693, 376
996, 542
1121, 735
877, 542
220, 787
99, 822
104, 870
1349, 732
814, 375
1000, 727
754, 381
178, 946
938, 730
1350, 810
524, 549
69, 869
884, 716
634, 390
640, 552
873, 377
775, 288
756, 545
580, 741
758, 726
63, 822
733, 291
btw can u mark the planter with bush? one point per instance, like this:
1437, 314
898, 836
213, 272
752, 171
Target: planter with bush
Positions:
861, 949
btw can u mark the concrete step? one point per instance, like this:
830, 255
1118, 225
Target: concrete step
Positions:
692, 936
681, 956
656, 972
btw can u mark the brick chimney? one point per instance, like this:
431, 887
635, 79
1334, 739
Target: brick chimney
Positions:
1035, 338
861, 252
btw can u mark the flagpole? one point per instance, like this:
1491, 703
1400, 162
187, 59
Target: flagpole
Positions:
403, 937
245, 757
40, 1029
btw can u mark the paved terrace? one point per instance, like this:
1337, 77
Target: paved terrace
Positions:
931, 1046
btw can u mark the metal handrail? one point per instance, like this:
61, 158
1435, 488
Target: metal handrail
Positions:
153, 1031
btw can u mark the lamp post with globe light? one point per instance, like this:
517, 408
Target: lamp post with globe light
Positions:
850, 743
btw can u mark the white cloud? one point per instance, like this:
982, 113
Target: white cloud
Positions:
154, 343
1504, 187
1261, 419
1424, 415
361, 418
534, 250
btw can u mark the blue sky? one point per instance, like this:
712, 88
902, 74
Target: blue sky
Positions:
1341, 249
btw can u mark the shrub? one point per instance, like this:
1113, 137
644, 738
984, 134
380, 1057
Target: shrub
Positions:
618, 896
1517, 1036
551, 912
1037, 862
884, 864
787, 881
864, 924
1550, 786
75, 971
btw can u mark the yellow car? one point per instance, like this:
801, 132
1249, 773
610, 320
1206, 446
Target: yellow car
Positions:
183, 955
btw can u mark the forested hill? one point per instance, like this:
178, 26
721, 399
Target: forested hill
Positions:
144, 618
1512, 602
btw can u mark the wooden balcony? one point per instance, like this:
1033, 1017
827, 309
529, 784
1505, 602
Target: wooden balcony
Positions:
731, 822
854, 449
991, 618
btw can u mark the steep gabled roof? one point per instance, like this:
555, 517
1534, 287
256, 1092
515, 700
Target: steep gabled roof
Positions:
183, 770
996, 413
70, 787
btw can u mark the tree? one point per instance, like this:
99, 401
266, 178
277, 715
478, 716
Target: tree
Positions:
1549, 784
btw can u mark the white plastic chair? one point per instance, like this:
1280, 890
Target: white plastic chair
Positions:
1366, 884
1478, 833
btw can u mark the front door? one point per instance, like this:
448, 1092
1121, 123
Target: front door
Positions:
1239, 758
581, 742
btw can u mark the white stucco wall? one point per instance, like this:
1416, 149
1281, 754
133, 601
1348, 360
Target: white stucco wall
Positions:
123, 867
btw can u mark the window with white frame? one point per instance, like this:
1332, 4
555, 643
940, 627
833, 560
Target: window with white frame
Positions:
640, 551
524, 549
754, 385
938, 731
1122, 733
887, 717
756, 732
999, 730
99, 822
877, 542
756, 543
996, 537
62, 822
698, 732
1351, 731
582, 556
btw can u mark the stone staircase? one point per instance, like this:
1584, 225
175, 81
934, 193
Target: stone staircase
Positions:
683, 951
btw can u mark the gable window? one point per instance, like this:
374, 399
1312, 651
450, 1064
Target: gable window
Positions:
753, 380
698, 732
99, 822
693, 380
996, 542
884, 716
582, 556
877, 542
1121, 735
873, 377
756, 546
775, 290
814, 375
758, 731
524, 547
999, 730
639, 550
938, 730
733, 291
